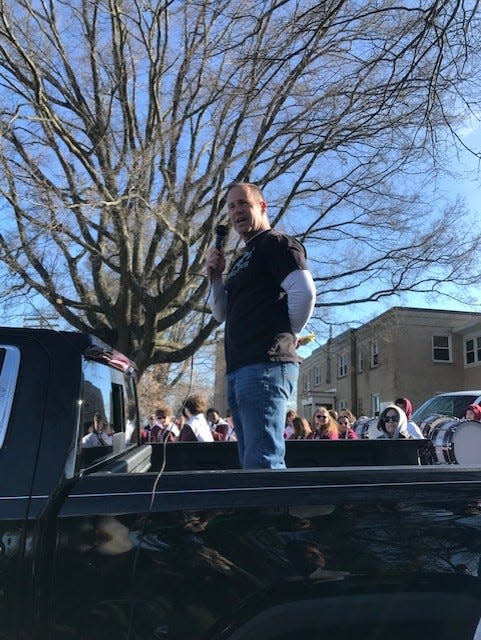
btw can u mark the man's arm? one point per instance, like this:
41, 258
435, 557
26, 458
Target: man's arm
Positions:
217, 300
301, 297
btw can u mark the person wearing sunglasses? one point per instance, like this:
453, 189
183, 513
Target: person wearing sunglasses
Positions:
393, 423
345, 422
324, 425
164, 428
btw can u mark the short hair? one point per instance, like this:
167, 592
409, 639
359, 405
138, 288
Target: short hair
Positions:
164, 409
213, 410
196, 404
253, 187
346, 413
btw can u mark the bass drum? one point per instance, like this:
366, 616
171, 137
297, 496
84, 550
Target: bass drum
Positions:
442, 434
366, 428
467, 443
433, 422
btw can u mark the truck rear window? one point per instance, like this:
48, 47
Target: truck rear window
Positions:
108, 422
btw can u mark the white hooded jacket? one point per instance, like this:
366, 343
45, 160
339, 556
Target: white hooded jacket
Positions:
402, 426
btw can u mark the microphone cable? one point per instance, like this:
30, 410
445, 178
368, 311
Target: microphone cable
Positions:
158, 476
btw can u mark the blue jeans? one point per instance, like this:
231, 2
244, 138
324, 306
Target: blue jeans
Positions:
257, 396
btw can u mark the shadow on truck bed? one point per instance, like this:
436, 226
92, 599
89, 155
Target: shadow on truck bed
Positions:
203, 456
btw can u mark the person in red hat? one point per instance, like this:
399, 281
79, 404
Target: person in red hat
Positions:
473, 412
406, 405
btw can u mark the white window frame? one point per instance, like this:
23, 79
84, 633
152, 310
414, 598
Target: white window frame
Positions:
476, 350
317, 375
360, 360
449, 348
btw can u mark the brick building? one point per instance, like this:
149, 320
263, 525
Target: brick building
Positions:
403, 352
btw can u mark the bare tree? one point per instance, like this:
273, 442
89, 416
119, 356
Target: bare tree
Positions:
123, 120
172, 383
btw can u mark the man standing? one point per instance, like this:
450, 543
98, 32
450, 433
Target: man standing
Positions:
266, 299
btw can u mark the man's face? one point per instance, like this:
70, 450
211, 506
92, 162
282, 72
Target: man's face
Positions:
247, 211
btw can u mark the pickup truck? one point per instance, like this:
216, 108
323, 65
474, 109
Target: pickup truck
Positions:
355, 539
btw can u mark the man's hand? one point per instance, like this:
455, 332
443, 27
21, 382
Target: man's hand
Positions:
303, 340
215, 263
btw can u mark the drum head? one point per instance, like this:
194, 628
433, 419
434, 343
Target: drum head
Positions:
441, 435
467, 442
432, 423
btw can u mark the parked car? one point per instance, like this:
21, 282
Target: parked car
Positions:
452, 403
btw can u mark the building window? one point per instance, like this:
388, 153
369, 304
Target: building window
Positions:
360, 360
341, 365
307, 382
342, 405
305, 385
442, 349
374, 354
317, 375
470, 357
472, 350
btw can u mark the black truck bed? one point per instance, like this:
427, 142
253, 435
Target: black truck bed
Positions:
202, 456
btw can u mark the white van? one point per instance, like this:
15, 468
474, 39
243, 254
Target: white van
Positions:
453, 403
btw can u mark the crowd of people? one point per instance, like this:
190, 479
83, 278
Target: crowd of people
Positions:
326, 424
199, 423
195, 423
394, 422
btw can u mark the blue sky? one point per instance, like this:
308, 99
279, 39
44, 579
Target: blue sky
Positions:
465, 182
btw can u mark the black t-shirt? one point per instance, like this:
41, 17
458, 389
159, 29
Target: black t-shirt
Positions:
257, 325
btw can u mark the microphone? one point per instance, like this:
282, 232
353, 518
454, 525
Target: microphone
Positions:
220, 235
